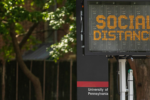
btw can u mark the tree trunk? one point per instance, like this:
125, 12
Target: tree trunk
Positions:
141, 70
27, 72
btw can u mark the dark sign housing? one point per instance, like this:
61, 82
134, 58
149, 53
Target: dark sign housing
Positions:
120, 27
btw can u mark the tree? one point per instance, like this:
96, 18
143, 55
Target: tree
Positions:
12, 13
68, 42
141, 72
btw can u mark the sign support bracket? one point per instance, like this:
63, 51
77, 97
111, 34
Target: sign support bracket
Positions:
122, 78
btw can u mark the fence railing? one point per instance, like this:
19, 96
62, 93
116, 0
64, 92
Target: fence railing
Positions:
58, 80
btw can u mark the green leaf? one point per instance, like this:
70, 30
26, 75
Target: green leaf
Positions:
32, 3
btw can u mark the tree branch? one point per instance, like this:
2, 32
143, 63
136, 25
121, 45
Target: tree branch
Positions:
27, 72
24, 40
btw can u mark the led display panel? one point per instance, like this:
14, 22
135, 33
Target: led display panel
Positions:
118, 26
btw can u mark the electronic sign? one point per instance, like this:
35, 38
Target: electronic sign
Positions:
117, 28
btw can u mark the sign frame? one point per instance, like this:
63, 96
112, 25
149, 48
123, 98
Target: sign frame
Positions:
86, 38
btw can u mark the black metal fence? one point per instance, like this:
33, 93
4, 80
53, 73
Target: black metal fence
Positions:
18, 86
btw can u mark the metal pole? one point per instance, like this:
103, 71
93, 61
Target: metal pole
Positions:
57, 81
3, 80
122, 72
17, 81
30, 83
111, 81
130, 84
44, 72
71, 80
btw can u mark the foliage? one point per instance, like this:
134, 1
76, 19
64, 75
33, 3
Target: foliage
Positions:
64, 15
15, 12
67, 44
